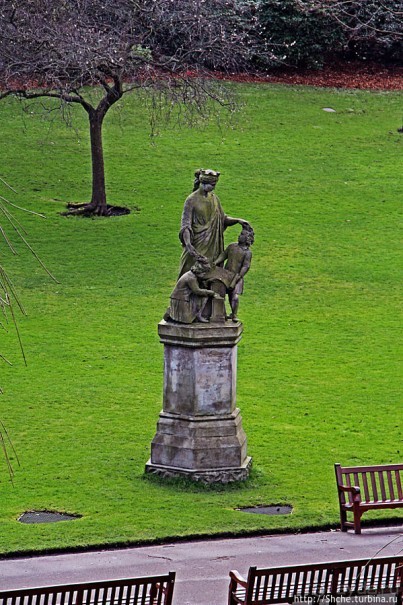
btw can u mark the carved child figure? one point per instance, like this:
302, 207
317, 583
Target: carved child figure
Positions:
238, 257
189, 297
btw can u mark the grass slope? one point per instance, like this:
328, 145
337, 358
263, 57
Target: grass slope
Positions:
317, 369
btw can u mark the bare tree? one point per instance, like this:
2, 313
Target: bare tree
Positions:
62, 49
373, 27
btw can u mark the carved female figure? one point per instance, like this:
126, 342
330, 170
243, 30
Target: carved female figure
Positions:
203, 222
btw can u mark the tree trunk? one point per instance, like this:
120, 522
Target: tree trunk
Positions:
98, 198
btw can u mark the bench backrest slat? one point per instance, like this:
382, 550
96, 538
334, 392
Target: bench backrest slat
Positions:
143, 599
374, 488
382, 484
316, 581
342, 578
284, 584
367, 497
362, 573
399, 485
390, 484
281, 584
372, 577
389, 574
365, 575
313, 577
96, 595
305, 580
369, 576
265, 584
289, 586
377, 483
381, 577
258, 580
156, 590
296, 582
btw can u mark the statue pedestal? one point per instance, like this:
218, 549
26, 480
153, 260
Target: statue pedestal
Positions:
199, 432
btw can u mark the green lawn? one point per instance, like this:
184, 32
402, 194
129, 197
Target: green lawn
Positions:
318, 378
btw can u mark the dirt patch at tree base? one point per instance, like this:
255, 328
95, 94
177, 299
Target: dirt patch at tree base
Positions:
87, 211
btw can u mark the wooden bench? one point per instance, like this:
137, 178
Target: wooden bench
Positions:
152, 590
313, 582
363, 488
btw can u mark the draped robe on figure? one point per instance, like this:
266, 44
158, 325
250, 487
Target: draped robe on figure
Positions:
204, 217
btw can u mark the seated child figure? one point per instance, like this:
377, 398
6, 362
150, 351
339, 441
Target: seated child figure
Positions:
189, 298
238, 257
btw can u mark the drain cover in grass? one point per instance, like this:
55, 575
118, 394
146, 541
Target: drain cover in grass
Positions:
284, 509
44, 516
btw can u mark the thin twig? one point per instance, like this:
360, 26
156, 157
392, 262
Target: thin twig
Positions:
19, 208
7, 185
8, 463
30, 248
10, 442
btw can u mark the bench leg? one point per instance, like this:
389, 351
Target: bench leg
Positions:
232, 598
357, 521
343, 520
231, 592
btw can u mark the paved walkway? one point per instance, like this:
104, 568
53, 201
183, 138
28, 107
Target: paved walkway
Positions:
202, 566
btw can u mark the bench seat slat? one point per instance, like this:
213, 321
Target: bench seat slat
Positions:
378, 504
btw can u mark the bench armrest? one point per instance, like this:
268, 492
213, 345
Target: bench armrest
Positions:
354, 489
235, 580
236, 577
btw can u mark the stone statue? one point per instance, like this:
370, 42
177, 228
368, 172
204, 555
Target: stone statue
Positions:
199, 432
188, 298
203, 222
238, 257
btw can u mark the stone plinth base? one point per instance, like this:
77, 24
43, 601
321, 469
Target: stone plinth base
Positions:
199, 432
199, 442
212, 475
